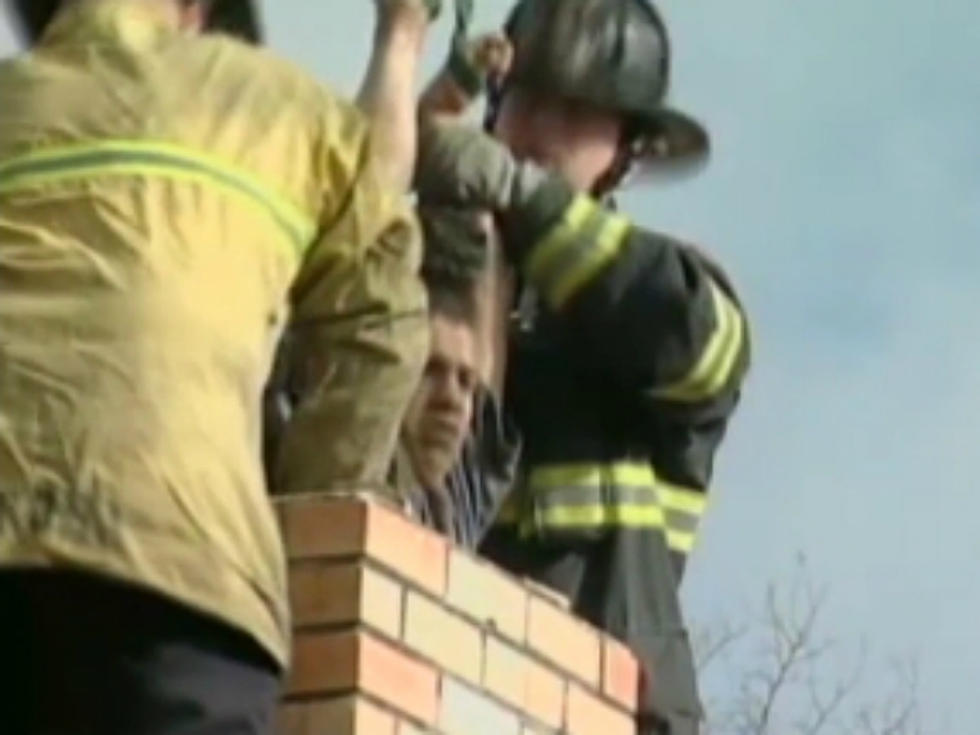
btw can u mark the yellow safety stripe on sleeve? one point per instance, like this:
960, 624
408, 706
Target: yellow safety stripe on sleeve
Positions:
677, 498
156, 159
591, 474
599, 515
605, 249
680, 541
576, 250
683, 508
551, 246
597, 495
714, 367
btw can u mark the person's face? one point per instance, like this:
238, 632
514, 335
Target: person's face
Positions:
438, 417
578, 142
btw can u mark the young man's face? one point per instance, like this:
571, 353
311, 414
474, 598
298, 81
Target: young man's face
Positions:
438, 417
576, 141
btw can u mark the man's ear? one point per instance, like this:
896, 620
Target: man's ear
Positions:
193, 16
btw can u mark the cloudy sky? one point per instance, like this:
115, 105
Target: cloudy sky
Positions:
843, 196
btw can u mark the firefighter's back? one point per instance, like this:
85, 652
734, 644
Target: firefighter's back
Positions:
156, 192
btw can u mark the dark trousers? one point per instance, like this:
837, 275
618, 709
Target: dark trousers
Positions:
613, 583
83, 656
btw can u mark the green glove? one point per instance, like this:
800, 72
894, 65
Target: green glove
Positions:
461, 165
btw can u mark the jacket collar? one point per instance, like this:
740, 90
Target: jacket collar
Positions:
127, 21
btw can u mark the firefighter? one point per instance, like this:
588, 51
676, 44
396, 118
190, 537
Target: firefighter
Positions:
632, 347
165, 200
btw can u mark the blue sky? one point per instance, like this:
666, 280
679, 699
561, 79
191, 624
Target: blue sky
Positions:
843, 196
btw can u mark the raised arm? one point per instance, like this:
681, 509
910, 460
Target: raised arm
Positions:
388, 93
359, 334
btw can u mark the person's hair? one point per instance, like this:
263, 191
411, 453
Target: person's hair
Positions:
454, 257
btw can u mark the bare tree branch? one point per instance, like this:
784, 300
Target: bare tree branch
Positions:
709, 643
823, 710
793, 676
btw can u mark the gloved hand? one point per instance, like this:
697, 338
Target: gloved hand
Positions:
458, 164
473, 63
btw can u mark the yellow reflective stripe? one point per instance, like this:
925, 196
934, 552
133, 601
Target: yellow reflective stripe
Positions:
164, 160
681, 499
597, 515
608, 242
712, 370
591, 474
590, 495
680, 541
683, 510
553, 244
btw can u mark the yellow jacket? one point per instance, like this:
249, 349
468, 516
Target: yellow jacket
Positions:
166, 202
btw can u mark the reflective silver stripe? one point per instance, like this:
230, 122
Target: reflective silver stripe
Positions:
624, 494
163, 160
683, 508
682, 499
595, 495
680, 541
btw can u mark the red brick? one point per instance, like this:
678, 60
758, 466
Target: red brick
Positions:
318, 526
524, 683
357, 659
620, 673
315, 526
483, 592
586, 714
322, 593
348, 715
323, 662
563, 639
453, 643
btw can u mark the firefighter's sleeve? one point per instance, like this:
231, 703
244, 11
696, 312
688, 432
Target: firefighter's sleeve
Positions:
683, 446
359, 334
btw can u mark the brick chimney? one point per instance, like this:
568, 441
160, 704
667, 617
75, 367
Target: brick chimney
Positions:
398, 633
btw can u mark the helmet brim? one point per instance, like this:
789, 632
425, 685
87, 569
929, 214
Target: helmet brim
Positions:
239, 18
670, 135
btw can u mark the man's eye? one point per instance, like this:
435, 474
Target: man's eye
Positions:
467, 380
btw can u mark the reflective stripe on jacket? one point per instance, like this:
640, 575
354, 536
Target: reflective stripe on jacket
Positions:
599, 496
166, 203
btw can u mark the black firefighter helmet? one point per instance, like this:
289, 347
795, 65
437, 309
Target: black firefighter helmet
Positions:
238, 18
610, 54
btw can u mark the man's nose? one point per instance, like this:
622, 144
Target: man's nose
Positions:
451, 395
